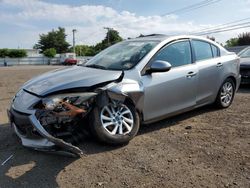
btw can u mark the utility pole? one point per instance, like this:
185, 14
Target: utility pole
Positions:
74, 42
108, 29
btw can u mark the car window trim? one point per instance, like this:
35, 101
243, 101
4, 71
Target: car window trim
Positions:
217, 51
144, 70
194, 50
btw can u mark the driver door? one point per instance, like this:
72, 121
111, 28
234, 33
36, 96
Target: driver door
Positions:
173, 91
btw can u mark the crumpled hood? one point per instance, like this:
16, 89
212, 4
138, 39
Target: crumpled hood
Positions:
69, 78
245, 62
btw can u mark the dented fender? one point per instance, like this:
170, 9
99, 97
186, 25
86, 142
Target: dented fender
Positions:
126, 90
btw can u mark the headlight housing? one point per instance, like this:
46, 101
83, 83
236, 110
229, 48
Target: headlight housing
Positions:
57, 102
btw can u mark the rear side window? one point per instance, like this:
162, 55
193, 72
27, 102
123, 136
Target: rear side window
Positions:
202, 50
215, 51
177, 54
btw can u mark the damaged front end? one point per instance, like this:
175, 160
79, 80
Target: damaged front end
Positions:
63, 118
57, 123
54, 123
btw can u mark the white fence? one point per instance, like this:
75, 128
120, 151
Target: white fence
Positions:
29, 61
35, 61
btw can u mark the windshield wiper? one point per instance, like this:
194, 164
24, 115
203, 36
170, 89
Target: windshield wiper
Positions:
96, 66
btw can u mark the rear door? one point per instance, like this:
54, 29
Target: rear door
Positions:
172, 91
209, 70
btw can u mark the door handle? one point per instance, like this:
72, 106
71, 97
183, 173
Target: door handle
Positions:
219, 65
191, 74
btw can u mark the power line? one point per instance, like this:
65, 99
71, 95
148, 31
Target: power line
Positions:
224, 30
189, 8
192, 7
221, 25
185, 8
181, 10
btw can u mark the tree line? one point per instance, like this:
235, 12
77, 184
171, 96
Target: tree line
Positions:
242, 40
55, 42
112, 37
13, 53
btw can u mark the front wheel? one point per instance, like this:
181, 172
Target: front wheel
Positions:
226, 94
115, 123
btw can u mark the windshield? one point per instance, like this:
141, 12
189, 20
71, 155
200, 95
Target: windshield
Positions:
245, 53
122, 56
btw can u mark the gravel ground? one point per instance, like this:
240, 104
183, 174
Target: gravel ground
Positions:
203, 148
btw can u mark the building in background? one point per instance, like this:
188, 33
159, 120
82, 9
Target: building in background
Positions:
33, 53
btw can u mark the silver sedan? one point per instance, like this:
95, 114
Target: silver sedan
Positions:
136, 81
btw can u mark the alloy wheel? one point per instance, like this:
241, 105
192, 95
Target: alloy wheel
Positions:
226, 95
117, 119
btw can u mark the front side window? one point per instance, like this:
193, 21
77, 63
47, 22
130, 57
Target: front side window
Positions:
122, 56
202, 50
176, 54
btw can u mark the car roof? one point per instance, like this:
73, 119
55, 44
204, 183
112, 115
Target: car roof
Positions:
162, 37
154, 37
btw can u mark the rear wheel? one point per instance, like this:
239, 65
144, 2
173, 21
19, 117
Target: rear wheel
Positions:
115, 123
226, 94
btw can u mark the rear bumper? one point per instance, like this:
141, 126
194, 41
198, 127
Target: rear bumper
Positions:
33, 135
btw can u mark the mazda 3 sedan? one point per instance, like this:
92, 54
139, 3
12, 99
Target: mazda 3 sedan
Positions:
134, 82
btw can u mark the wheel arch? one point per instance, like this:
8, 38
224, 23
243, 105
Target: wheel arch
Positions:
233, 79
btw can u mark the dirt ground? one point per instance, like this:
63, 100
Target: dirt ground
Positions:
203, 148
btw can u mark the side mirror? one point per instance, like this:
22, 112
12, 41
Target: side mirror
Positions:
159, 66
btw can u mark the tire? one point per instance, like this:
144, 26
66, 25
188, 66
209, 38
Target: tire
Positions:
99, 119
226, 94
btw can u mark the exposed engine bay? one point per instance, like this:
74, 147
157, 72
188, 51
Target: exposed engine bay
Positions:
62, 116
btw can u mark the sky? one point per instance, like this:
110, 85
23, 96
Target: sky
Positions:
22, 21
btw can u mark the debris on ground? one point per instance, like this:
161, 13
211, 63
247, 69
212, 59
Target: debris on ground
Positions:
9, 158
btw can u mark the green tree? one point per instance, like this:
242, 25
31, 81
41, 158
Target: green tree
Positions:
244, 39
111, 38
232, 42
241, 40
13, 53
54, 39
50, 53
17, 53
85, 50
4, 52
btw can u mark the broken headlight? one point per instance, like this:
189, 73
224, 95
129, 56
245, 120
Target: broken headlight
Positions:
68, 101
62, 115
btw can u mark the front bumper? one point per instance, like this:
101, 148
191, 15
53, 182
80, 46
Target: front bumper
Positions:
33, 135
